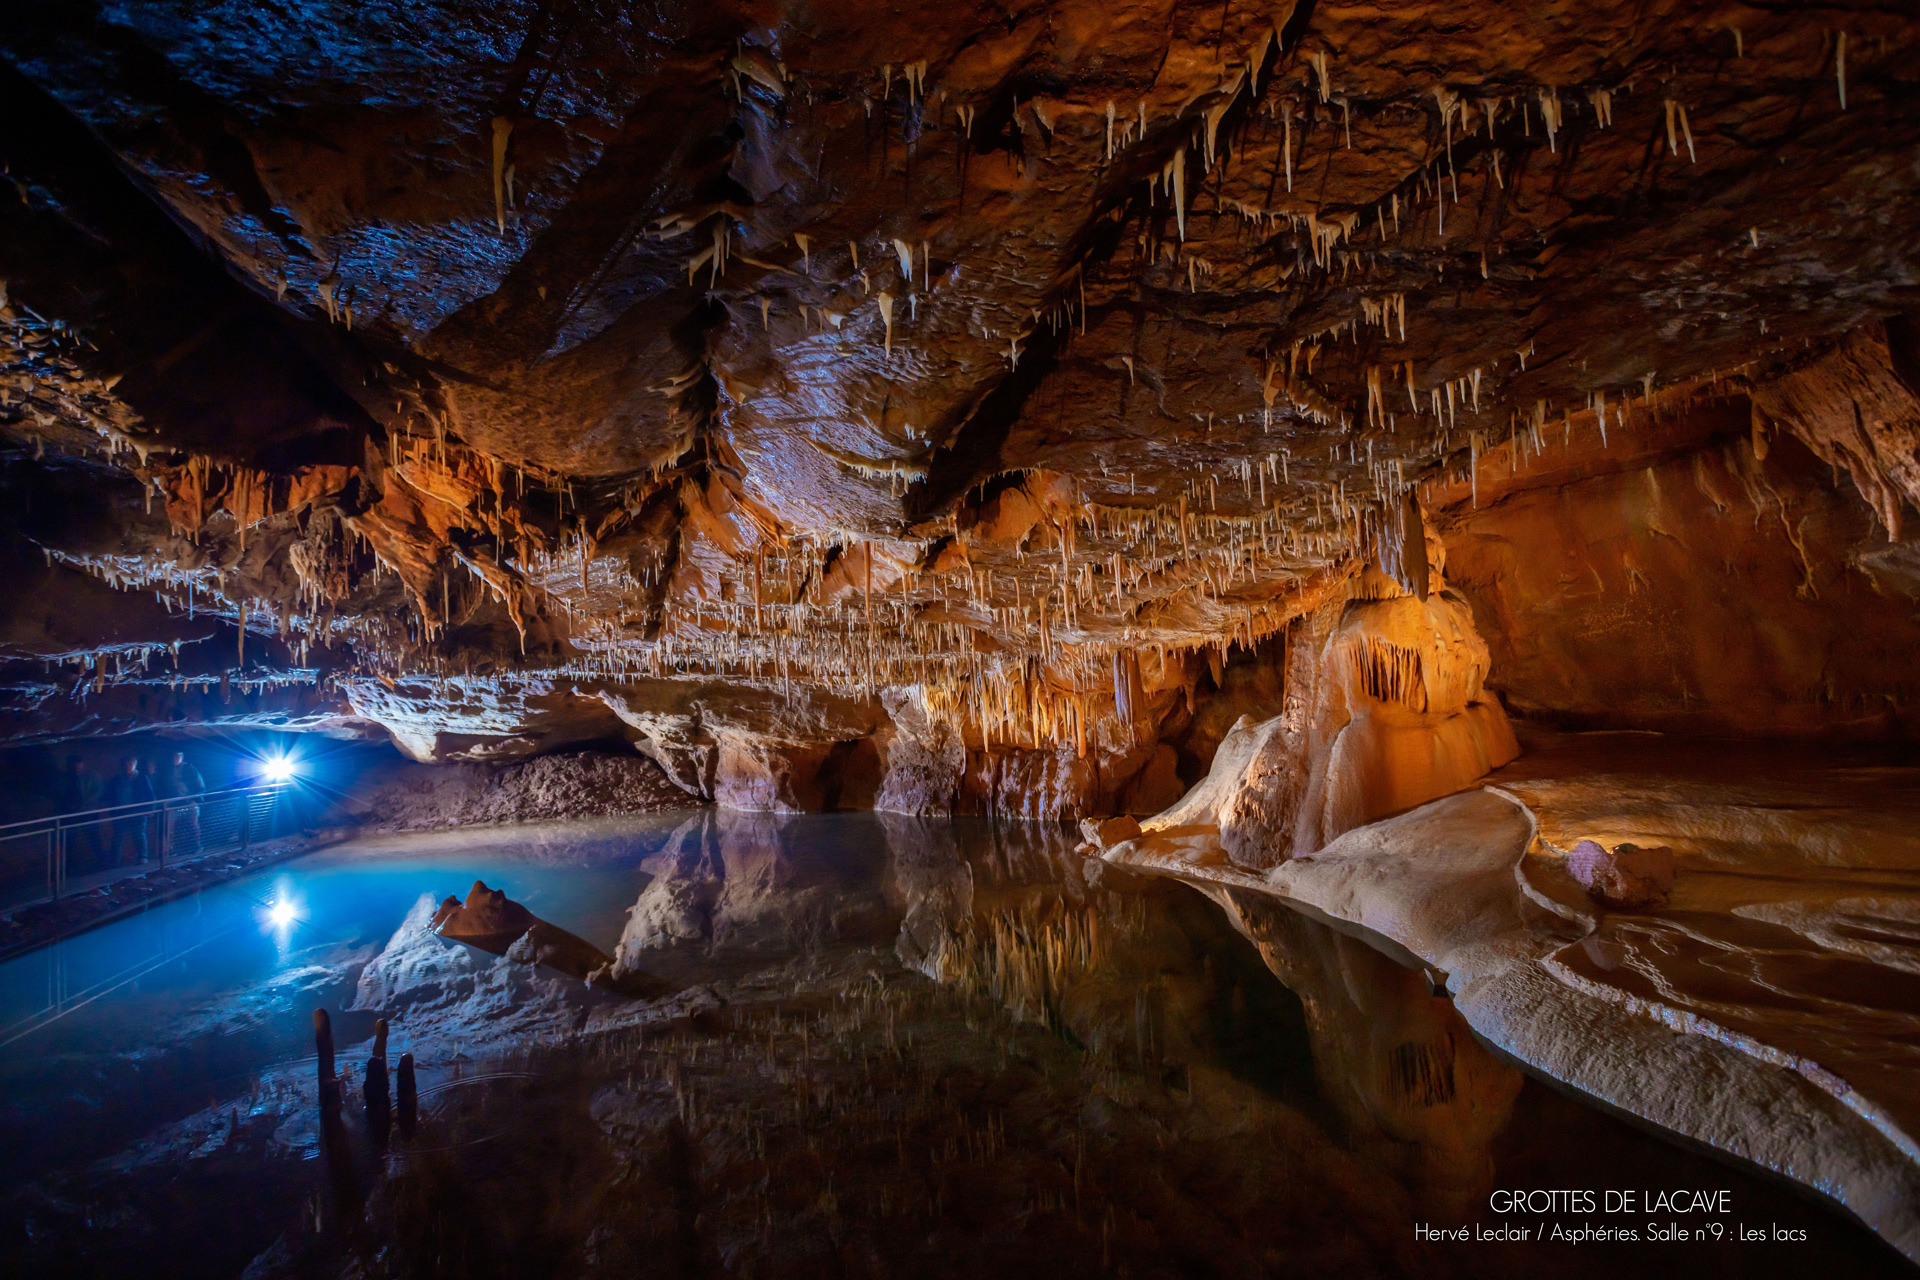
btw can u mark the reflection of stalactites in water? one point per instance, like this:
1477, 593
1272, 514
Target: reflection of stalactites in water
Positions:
349, 1202
1396, 1061
1025, 960
1143, 1028
408, 1109
1422, 1071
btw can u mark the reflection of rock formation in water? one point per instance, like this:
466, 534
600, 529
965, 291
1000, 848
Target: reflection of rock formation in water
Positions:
950, 873
734, 881
936, 883
1149, 979
1397, 1062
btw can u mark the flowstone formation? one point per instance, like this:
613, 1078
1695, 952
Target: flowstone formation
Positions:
961, 409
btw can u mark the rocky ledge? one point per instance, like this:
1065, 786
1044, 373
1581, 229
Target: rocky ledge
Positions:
1765, 1011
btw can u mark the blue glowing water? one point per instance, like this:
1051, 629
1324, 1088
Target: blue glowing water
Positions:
110, 1032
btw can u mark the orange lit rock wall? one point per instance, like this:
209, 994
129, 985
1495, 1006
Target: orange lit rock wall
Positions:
1700, 589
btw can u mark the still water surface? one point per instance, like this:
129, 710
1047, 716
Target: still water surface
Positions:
154, 1073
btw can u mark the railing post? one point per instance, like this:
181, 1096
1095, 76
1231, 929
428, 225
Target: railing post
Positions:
246, 821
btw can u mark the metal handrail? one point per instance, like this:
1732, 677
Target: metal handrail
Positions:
36, 826
156, 828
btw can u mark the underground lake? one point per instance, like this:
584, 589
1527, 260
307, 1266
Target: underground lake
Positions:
869, 1045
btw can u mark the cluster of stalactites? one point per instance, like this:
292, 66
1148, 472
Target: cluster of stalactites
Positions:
45, 391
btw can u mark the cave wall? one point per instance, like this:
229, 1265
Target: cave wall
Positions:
755, 747
1709, 587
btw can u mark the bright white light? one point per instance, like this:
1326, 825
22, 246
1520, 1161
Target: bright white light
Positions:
279, 769
281, 913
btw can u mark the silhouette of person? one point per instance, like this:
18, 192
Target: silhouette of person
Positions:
131, 787
83, 790
181, 781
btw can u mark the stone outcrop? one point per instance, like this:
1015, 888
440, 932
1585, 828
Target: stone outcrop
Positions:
491, 921
1386, 708
1624, 876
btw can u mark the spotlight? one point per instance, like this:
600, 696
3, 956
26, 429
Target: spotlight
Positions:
281, 913
279, 769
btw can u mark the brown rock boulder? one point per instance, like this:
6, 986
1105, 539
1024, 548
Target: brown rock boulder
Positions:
494, 922
1629, 876
489, 919
1105, 834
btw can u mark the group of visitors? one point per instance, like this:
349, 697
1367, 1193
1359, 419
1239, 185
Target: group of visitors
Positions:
127, 837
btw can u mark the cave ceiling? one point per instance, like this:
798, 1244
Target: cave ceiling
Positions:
857, 346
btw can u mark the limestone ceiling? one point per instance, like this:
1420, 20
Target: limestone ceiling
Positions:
872, 345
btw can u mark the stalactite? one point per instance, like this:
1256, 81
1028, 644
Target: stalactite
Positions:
502, 130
